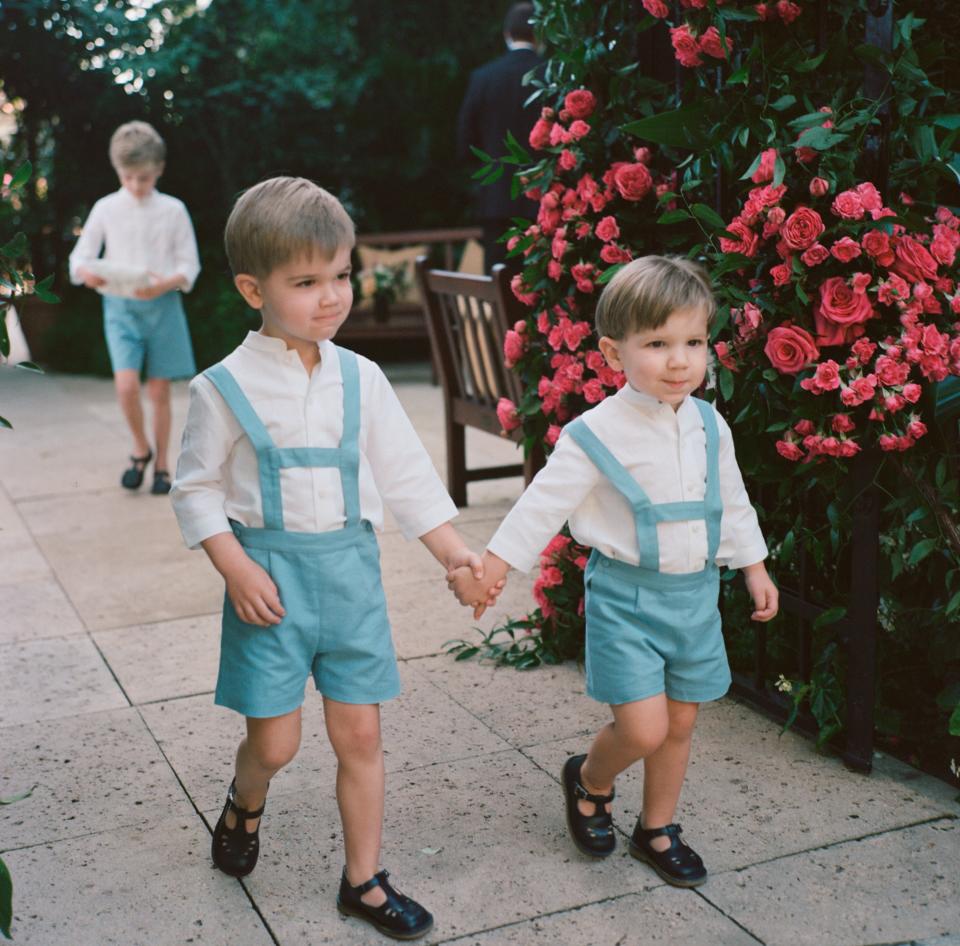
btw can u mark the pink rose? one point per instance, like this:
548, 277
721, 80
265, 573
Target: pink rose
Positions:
540, 134
552, 435
840, 312
890, 372
790, 348
567, 160
869, 196
507, 414
593, 391
768, 159
849, 448
845, 249
517, 287
819, 186
788, 11
801, 229
815, 255
827, 376
745, 243
513, 348
848, 205
656, 8
789, 450
579, 129
775, 218
633, 181
804, 427
781, 274
685, 46
877, 245
912, 393
611, 253
842, 423
580, 103
724, 357
712, 45
913, 261
607, 229
916, 429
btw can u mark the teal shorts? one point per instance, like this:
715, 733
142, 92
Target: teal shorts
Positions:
151, 330
335, 629
649, 632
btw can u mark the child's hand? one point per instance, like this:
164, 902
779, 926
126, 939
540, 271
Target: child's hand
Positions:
89, 280
156, 288
253, 594
473, 591
765, 594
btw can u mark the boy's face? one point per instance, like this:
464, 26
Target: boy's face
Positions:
668, 362
139, 179
305, 300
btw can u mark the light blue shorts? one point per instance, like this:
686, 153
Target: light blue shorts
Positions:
335, 628
151, 329
650, 632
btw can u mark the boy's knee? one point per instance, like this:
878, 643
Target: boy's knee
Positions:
158, 390
275, 756
361, 741
641, 741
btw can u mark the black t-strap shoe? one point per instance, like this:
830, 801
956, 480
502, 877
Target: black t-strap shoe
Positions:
133, 477
398, 916
592, 834
679, 864
235, 850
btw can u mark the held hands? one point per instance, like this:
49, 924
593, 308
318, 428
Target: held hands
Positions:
479, 588
765, 594
253, 593
158, 286
89, 280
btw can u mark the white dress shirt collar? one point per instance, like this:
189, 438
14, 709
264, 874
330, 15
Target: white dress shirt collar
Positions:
646, 402
277, 347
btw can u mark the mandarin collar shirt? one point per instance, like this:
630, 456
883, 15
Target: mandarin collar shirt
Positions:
665, 452
217, 474
153, 234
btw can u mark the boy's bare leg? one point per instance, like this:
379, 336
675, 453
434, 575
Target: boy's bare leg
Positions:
158, 390
637, 731
354, 731
271, 743
127, 384
665, 769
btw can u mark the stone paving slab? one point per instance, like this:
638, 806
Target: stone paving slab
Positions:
665, 915
130, 887
467, 838
54, 678
422, 727
92, 772
164, 661
35, 609
900, 885
21, 561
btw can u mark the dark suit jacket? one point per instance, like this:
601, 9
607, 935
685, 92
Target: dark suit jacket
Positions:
493, 105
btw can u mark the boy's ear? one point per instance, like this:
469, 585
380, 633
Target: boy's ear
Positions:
609, 348
249, 288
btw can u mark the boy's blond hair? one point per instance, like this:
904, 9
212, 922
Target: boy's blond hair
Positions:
135, 144
643, 294
283, 219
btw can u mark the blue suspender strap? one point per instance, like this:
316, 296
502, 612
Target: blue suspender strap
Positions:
350, 439
253, 427
645, 520
713, 501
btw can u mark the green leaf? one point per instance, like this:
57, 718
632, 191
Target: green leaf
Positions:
955, 721
482, 155
726, 382
950, 122
940, 477
740, 77
953, 604
784, 102
16, 798
753, 167
708, 216
820, 139
786, 550
921, 550
30, 366
924, 143
16, 247
779, 171
685, 127
5, 423
830, 616
808, 65
609, 273
673, 216
21, 175
6, 900
42, 290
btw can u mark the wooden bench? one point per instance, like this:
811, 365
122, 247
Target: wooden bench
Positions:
468, 318
379, 332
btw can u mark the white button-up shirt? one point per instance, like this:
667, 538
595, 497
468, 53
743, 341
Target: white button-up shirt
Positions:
217, 475
665, 452
153, 234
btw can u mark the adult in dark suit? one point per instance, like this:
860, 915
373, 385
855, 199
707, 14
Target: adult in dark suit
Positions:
492, 106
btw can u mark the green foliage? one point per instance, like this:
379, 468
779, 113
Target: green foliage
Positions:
6, 881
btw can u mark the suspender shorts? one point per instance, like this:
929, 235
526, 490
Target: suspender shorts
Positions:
335, 628
649, 632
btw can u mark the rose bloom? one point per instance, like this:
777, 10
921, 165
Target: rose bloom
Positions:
877, 245
913, 261
643, 155
845, 249
781, 274
860, 391
815, 255
804, 427
507, 414
848, 205
790, 348
916, 428
711, 44
912, 393
607, 229
593, 391
540, 134
748, 321
869, 196
819, 186
788, 11
578, 129
656, 8
633, 181
611, 253
762, 11
789, 450
746, 243
842, 423
513, 348
841, 311
890, 372
764, 171
580, 103
553, 434
863, 348
775, 218
567, 160
827, 376
724, 357
801, 229
685, 46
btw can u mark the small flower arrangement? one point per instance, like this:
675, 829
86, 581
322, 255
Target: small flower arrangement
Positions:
382, 283
853, 312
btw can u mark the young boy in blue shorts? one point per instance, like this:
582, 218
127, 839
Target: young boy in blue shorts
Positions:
149, 258
649, 480
291, 450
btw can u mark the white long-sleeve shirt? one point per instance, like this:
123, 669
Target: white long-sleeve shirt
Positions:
665, 451
217, 476
153, 234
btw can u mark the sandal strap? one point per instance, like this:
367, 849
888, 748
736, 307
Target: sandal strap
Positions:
237, 810
580, 792
668, 830
377, 880
144, 460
